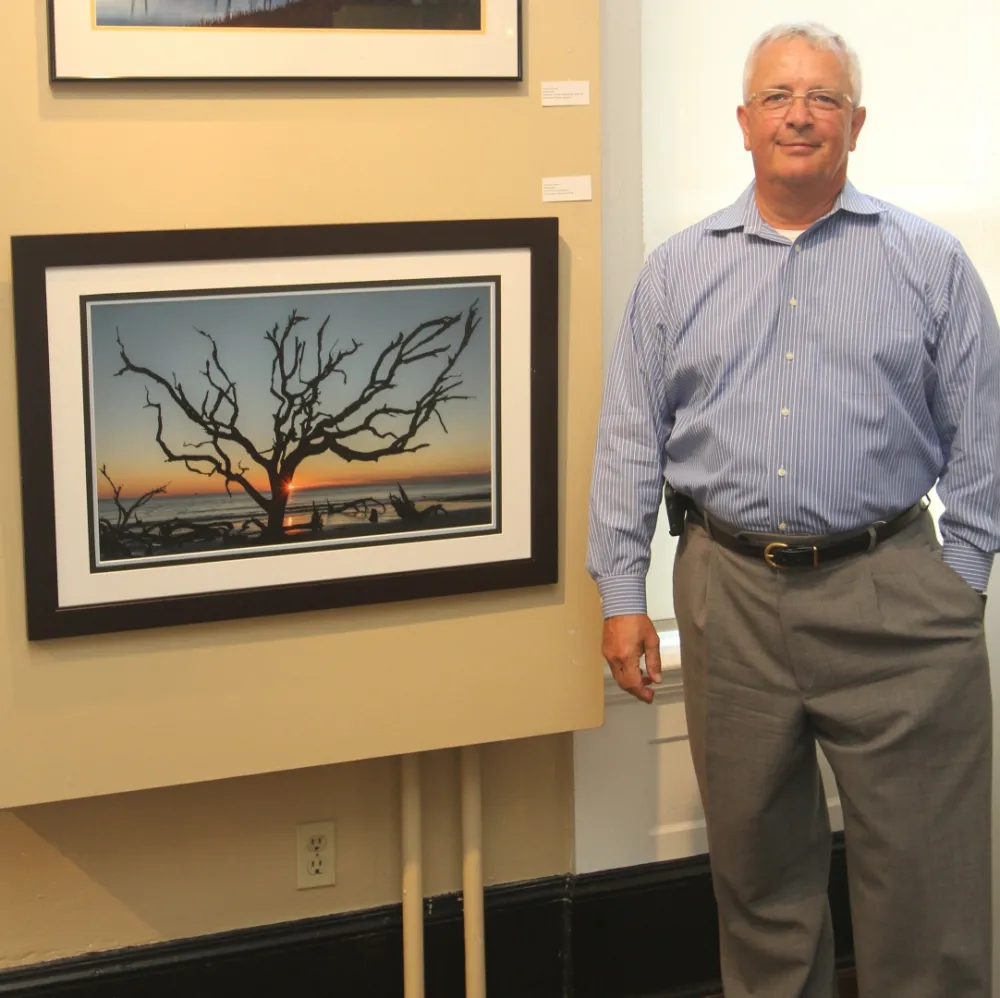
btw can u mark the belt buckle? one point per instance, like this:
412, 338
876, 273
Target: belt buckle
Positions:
769, 555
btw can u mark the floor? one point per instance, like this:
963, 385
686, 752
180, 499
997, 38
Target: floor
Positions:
848, 985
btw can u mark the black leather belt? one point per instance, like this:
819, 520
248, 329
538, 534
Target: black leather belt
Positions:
804, 552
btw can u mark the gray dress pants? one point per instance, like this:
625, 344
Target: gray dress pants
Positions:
881, 659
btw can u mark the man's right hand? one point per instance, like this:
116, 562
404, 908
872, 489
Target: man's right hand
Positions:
626, 640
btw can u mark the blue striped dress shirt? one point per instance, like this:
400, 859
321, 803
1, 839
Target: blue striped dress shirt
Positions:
805, 387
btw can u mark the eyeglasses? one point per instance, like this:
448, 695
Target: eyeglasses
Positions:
817, 101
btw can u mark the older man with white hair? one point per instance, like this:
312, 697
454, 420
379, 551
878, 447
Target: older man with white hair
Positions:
794, 374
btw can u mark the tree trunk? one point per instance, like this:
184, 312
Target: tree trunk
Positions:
275, 529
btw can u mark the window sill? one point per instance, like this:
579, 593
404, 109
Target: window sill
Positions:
671, 686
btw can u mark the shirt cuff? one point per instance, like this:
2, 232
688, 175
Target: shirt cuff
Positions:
621, 594
972, 564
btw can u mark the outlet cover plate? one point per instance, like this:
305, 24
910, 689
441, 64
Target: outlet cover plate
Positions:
315, 855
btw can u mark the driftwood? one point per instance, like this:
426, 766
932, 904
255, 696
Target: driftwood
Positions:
164, 537
129, 536
367, 507
407, 511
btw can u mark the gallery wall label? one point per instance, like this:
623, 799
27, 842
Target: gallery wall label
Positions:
566, 93
567, 188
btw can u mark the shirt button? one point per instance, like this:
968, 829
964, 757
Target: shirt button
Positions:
793, 302
789, 355
781, 472
784, 412
798, 248
782, 525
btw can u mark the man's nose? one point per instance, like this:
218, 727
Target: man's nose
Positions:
798, 113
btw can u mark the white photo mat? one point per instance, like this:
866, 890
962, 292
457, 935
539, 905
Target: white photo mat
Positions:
78, 586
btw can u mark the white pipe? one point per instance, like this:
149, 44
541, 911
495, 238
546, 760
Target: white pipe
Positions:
413, 885
472, 872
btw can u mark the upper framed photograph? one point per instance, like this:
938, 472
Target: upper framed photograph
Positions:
228, 423
284, 39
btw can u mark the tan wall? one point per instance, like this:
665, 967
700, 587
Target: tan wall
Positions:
128, 869
149, 720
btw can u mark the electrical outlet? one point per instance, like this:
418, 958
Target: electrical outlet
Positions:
315, 865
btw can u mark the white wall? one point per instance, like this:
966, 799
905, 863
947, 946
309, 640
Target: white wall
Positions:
931, 145
622, 219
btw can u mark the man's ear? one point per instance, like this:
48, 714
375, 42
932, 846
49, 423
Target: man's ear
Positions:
743, 117
857, 122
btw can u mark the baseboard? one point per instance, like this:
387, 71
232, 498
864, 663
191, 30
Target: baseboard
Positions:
641, 932
650, 931
689, 838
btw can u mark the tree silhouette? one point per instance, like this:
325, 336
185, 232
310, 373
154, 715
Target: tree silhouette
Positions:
114, 536
407, 511
371, 424
130, 534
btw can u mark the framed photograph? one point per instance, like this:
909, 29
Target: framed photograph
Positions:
235, 422
284, 39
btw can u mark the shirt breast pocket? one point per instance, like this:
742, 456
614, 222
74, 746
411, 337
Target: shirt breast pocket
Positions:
884, 361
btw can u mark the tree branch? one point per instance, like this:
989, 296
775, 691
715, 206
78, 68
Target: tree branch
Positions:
203, 417
124, 513
218, 464
331, 435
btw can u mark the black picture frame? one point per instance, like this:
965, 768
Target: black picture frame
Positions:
81, 50
51, 353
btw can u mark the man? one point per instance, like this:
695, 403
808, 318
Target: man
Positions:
801, 368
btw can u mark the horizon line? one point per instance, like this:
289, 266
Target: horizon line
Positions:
238, 490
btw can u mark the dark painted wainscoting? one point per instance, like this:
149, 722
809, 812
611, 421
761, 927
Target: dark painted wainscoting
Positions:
639, 932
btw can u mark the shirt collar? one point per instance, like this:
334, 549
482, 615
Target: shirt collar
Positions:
743, 213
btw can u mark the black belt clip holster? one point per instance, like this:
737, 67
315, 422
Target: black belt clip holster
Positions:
677, 506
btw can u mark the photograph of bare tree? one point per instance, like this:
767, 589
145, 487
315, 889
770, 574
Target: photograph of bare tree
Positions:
225, 423
231, 423
368, 15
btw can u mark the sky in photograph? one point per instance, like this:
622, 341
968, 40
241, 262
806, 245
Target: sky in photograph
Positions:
161, 334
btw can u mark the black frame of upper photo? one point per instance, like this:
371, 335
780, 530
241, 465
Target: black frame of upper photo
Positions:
295, 40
